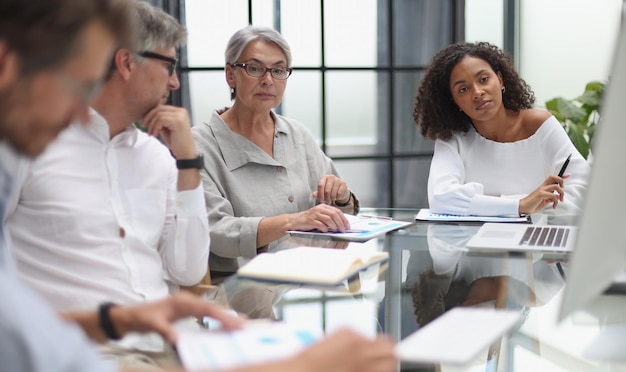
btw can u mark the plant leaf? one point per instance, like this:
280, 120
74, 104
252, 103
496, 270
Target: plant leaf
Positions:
579, 116
590, 98
570, 111
553, 107
577, 135
596, 86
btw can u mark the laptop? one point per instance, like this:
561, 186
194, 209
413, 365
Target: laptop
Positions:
523, 238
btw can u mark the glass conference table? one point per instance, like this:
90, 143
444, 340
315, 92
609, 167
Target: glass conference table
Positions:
430, 272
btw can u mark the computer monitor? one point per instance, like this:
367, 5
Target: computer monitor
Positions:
600, 251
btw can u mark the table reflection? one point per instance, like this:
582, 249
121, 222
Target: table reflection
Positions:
459, 278
429, 272
259, 300
436, 273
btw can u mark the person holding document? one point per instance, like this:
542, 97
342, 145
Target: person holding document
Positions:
264, 173
494, 154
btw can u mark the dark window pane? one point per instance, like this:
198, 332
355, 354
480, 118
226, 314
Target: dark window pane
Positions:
421, 27
407, 137
410, 182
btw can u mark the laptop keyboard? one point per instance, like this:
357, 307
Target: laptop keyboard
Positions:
545, 236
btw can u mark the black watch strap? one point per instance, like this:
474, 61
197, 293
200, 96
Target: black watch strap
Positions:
105, 321
341, 205
353, 199
196, 163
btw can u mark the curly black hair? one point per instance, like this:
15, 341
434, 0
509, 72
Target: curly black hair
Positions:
435, 111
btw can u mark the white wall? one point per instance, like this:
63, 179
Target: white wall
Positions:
567, 43
483, 21
563, 43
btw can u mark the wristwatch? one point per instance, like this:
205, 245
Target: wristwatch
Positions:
196, 163
104, 318
341, 205
352, 199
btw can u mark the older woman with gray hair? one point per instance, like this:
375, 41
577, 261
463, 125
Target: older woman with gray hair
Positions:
265, 174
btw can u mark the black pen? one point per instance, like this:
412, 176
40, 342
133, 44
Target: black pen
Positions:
564, 167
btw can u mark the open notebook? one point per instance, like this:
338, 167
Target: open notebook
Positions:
523, 238
311, 265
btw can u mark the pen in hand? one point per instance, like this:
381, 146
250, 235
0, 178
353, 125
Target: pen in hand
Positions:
564, 167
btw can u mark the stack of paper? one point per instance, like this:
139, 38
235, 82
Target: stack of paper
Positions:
427, 215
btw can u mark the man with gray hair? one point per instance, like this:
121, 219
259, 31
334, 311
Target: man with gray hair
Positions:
119, 223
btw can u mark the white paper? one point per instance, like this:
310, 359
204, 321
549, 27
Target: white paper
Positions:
457, 336
426, 215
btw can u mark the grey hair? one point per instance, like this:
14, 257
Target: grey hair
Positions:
242, 38
156, 29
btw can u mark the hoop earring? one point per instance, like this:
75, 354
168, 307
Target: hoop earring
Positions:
503, 89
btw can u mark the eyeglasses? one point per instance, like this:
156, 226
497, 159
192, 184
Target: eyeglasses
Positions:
86, 91
173, 61
256, 70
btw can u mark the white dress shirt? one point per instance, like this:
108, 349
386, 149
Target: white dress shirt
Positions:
32, 337
100, 219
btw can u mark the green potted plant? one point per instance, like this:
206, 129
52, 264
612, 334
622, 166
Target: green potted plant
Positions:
579, 116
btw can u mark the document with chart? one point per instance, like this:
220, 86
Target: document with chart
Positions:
362, 228
255, 343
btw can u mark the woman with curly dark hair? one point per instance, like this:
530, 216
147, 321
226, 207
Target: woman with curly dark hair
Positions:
494, 153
